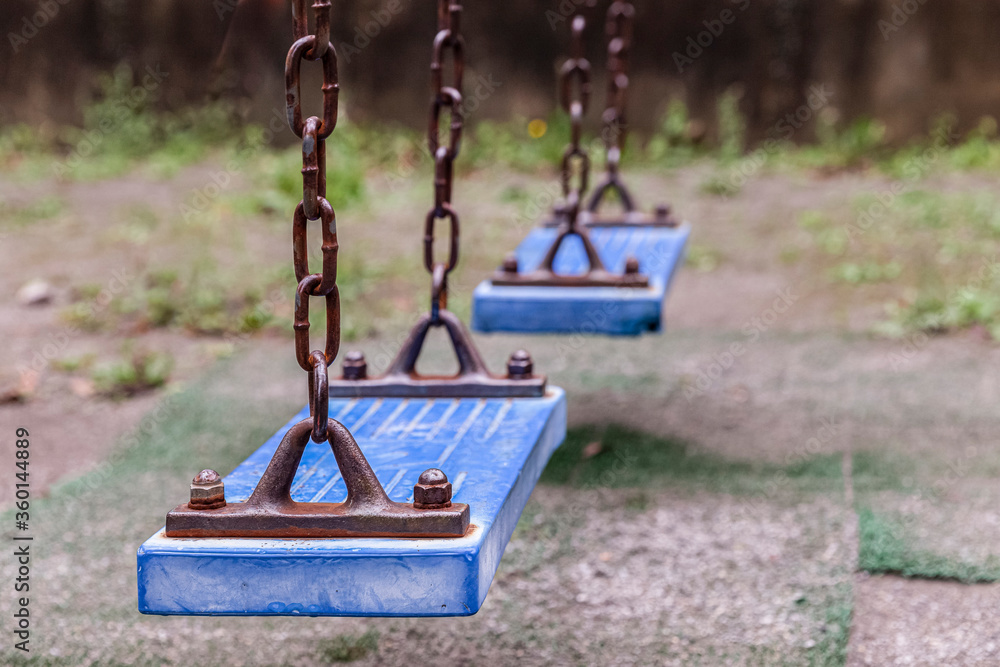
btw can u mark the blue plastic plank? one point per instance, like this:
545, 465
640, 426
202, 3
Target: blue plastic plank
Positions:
493, 451
612, 311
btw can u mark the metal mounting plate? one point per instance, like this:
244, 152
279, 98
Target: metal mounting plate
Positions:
619, 219
613, 311
473, 380
493, 451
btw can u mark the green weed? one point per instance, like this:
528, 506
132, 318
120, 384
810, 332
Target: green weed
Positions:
622, 458
702, 258
720, 185
348, 648
732, 127
136, 372
674, 143
45, 208
887, 546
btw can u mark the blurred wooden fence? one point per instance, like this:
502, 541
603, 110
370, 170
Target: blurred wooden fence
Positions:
903, 61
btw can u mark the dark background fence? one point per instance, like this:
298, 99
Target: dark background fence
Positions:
904, 62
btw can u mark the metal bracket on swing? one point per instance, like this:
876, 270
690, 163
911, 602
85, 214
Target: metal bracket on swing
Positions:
545, 275
662, 215
473, 379
367, 511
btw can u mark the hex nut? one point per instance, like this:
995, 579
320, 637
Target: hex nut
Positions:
520, 365
510, 264
355, 366
207, 491
664, 215
432, 491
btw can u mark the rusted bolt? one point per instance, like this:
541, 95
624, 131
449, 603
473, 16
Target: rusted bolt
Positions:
432, 491
520, 366
663, 216
510, 263
207, 491
631, 266
355, 366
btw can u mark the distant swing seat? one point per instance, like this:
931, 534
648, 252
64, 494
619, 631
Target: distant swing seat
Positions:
494, 450
584, 272
656, 241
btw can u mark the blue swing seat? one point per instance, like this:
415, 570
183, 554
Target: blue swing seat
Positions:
612, 311
493, 450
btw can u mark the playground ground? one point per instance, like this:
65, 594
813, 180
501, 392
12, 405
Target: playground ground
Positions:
826, 496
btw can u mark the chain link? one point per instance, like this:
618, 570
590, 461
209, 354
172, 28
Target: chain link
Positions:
574, 95
619, 28
293, 87
300, 25
449, 39
314, 131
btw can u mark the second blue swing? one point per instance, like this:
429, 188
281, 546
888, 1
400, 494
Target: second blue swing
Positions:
583, 271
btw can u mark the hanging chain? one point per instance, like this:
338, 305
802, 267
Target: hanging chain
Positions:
448, 39
300, 25
314, 131
574, 79
619, 27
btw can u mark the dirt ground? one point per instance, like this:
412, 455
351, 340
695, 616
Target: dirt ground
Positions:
704, 586
908, 622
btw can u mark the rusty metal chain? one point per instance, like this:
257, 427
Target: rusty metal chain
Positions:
300, 25
574, 95
619, 28
314, 130
448, 96
619, 25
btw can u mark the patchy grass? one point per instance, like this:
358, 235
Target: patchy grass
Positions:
617, 457
867, 272
122, 132
702, 258
831, 650
856, 146
87, 537
936, 251
887, 545
137, 371
207, 301
878, 471
75, 363
720, 185
45, 208
348, 648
